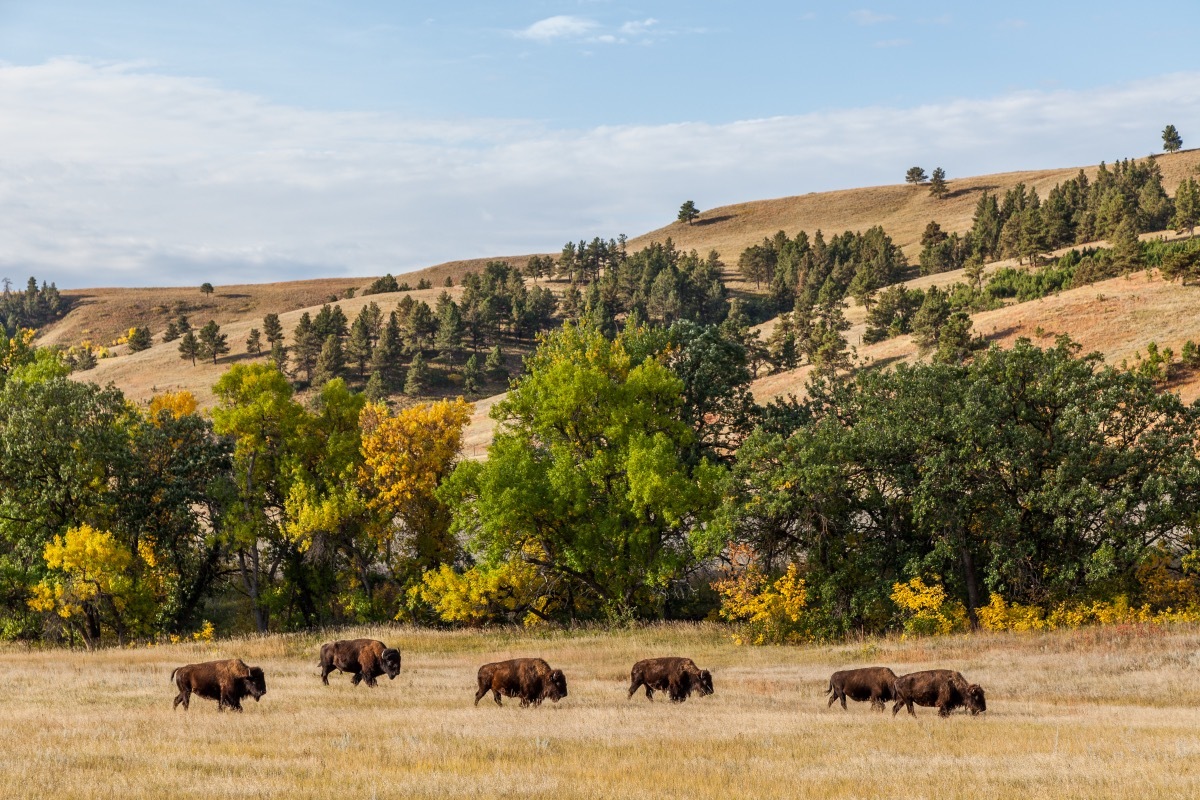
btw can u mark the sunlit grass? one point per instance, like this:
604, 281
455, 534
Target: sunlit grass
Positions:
1092, 713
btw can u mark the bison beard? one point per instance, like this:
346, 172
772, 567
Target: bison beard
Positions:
676, 676
876, 684
226, 681
943, 688
530, 679
364, 658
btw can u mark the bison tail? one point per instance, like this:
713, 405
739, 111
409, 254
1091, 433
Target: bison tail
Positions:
173, 674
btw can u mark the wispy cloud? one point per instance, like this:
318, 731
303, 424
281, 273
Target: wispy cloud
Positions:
560, 27
864, 16
179, 178
638, 27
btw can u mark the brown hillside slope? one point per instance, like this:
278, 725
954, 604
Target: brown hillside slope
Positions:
902, 210
1115, 318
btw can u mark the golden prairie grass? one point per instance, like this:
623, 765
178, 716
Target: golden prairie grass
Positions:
1096, 713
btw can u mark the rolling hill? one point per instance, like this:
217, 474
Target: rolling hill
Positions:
1116, 318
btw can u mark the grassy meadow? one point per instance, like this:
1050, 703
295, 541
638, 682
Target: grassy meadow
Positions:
1093, 713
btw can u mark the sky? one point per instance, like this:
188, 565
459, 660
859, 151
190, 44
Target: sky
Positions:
171, 143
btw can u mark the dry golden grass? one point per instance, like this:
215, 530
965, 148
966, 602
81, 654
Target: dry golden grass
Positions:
1097, 713
1115, 318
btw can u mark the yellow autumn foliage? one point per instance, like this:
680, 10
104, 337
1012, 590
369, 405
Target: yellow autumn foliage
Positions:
768, 612
926, 610
179, 404
407, 454
481, 594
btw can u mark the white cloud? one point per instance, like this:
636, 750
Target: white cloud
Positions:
560, 27
115, 175
638, 27
865, 16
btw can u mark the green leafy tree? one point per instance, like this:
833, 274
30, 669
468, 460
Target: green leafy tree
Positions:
213, 343
688, 212
585, 483
189, 347
1172, 141
206, 289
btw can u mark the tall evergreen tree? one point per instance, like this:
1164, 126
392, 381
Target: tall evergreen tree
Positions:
213, 343
915, 176
358, 346
331, 363
189, 347
1187, 207
471, 375
450, 329
140, 339
937, 183
1172, 141
272, 328
254, 342
688, 212
417, 382
388, 357
495, 366
306, 346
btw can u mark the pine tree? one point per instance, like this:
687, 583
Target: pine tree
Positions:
688, 212
450, 329
331, 363
954, 339
279, 356
1172, 141
937, 183
306, 346
471, 375
375, 390
495, 366
417, 382
1187, 207
189, 347
182, 324
206, 288
358, 347
272, 328
254, 344
139, 339
1127, 248
213, 343
782, 350
915, 176
387, 358
172, 332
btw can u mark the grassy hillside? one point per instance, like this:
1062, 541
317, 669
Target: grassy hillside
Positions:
1097, 713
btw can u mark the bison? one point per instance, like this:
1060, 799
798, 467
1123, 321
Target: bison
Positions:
676, 676
530, 679
226, 681
365, 658
876, 684
943, 688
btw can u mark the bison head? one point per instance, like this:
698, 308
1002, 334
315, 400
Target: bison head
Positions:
557, 689
391, 662
704, 685
974, 699
256, 684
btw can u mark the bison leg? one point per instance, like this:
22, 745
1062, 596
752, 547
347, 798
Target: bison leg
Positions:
183, 697
877, 703
900, 702
325, 670
842, 697
633, 687
480, 693
370, 678
945, 701
357, 679
496, 697
832, 698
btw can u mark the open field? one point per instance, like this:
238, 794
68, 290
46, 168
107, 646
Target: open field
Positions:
1094, 713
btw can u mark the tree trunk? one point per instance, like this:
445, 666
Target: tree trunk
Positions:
972, 587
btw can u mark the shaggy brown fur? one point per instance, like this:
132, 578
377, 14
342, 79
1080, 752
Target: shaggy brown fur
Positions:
943, 688
530, 679
876, 684
676, 676
226, 681
364, 658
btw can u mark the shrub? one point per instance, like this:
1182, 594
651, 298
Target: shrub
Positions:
927, 610
767, 611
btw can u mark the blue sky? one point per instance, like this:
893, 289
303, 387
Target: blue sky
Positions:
170, 142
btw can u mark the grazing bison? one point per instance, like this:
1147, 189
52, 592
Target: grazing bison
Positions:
876, 684
530, 679
676, 676
943, 688
366, 658
226, 681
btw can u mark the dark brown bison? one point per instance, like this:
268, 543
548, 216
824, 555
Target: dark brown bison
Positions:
943, 688
226, 681
530, 679
876, 684
675, 676
365, 658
